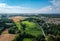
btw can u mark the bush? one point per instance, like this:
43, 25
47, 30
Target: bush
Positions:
13, 30
28, 39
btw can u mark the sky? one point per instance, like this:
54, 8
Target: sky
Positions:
29, 6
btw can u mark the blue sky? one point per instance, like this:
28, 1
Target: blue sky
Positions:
27, 3
29, 6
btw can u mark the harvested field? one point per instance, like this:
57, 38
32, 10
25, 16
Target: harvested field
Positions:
5, 31
17, 18
7, 37
57, 19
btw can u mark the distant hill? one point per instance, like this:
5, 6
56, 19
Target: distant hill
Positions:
32, 14
50, 15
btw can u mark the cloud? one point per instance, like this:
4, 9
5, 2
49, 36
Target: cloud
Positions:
4, 8
45, 10
53, 8
56, 6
